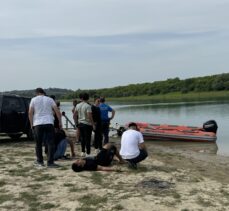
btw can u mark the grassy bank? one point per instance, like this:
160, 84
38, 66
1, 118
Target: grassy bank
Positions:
177, 97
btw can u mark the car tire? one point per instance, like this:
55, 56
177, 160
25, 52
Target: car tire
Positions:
15, 135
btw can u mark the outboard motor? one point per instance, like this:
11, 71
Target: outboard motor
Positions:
210, 126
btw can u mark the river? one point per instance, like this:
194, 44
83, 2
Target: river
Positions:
191, 114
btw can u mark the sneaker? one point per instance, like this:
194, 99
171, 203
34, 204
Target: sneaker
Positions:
83, 154
38, 164
88, 155
53, 165
96, 151
132, 165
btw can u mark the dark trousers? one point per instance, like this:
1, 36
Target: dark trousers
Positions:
105, 131
85, 137
142, 156
98, 138
44, 134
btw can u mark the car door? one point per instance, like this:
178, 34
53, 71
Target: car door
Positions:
13, 114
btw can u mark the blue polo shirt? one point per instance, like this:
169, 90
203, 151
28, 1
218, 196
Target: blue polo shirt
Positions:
105, 109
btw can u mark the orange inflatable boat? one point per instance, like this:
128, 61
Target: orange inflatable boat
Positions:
207, 133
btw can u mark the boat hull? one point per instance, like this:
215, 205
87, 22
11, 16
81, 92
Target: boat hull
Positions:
175, 133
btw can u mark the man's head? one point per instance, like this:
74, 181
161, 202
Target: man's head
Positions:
133, 126
85, 96
40, 91
96, 100
102, 99
78, 165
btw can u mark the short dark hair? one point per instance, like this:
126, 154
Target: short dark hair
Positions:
77, 168
132, 124
85, 96
39, 90
102, 99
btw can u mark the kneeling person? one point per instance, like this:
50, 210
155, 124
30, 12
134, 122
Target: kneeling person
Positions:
100, 162
133, 148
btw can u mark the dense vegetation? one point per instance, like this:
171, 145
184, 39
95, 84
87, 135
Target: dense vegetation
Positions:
170, 89
59, 93
175, 85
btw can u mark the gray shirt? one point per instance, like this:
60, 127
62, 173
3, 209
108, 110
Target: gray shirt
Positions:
83, 109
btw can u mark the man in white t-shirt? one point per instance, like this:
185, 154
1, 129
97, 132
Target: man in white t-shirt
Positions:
133, 148
41, 119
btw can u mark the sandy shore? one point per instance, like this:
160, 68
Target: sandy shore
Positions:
174, 177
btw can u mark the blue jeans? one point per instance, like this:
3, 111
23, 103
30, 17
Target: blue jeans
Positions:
61, 148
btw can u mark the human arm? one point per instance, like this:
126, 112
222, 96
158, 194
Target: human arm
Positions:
31, 112
58, 114
112, 114
107, 168
91, 119
75, 117
142, 146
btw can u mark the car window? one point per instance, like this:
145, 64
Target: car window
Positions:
12, 104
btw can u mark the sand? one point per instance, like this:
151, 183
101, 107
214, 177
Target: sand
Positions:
173, 177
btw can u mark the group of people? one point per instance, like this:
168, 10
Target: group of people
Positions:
45, 121
90, 118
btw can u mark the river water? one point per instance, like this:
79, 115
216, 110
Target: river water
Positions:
191, 114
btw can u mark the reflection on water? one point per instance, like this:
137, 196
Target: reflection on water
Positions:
190, 114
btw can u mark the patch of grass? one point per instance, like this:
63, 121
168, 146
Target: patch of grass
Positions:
193, 192
2, 183
77, 189
45, 177
68, 184
165, 169
5, 197
97, 178
35, 186
19, 171
47, 206
118, 207
91, 201
224, 193
204, 202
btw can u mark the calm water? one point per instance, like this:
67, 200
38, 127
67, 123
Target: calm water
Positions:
191, 114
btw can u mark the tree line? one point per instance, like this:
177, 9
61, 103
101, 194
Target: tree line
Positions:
218, 82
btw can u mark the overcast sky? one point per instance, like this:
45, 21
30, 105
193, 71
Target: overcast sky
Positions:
105, 43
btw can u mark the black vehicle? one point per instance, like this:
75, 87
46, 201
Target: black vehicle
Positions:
14, 119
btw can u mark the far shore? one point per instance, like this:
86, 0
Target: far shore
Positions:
171, 97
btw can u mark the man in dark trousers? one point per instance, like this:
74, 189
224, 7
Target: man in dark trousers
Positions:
105, 110
41, 119
96, 115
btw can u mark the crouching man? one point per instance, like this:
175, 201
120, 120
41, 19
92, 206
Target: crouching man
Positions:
133, 148
100, 162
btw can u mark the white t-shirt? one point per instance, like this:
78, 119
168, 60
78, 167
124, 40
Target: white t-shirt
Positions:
43, 112
129, 144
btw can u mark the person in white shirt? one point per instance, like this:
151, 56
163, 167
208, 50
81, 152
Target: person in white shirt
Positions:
133, 148
42, 123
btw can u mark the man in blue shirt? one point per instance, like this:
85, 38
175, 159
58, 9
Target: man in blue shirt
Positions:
105, 109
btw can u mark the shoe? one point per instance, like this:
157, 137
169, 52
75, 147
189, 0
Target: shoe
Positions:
88, 155
38, 164
53, 165
96, 151
83, 154
132, 165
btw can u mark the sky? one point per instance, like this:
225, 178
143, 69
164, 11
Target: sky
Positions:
85, 44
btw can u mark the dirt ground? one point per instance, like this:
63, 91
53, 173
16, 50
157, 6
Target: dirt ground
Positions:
175, 176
